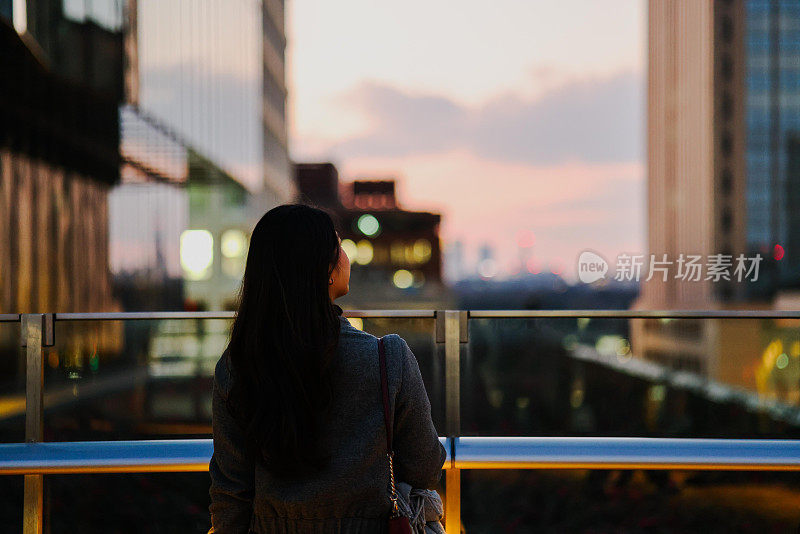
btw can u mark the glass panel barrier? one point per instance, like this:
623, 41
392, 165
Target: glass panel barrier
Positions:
12, 383
140, 502
12, 418
11, 502
133, 379
690, 378
577, 500
151, 379
419, 334
684, 378
519, 376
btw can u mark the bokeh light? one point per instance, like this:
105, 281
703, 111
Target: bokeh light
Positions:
487, 268
350, 249
234, 243
403, 279
364, 252
368, 225
197, 254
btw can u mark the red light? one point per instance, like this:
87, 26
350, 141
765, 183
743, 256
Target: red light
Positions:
778, 253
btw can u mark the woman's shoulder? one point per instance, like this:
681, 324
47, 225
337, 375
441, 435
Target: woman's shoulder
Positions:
223, 373
354, 340
396, 345
356, 337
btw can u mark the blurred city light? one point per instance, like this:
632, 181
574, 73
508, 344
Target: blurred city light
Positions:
403, 279
197, 253
364, 252
350, 249
368, 225
422, 250
487, 268
234, 243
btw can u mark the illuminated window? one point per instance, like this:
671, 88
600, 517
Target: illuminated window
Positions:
381, 254
234, 243
422, 250
363, 252
197, 254
403, 279
398, 253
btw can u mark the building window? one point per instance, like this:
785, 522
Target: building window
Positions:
726, 106
726, 144
726, 220
726, 67
726, 28
726, 181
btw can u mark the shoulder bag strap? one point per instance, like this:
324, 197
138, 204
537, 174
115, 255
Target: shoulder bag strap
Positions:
387, 419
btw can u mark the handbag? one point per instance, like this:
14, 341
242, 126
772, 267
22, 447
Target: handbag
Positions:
414, 510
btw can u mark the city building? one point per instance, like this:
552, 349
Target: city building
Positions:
214, 249
59, 154
723, 115
395, 254
59, 158
180, 224
204, 146
454, 261
214, 73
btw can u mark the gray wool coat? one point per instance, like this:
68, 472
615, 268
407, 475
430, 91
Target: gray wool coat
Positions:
352, 494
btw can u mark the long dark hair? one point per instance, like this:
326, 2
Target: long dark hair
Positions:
284, 339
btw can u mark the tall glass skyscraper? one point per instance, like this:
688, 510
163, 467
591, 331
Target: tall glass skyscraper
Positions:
723, 141
772, 135
723, 173
203, 78
214, 71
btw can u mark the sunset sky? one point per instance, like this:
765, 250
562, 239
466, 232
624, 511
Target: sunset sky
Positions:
503, 116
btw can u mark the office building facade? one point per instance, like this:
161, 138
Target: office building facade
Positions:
204, 143
722, 171
213, 71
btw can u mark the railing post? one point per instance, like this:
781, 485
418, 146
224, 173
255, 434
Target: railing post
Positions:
451, 329
37, 332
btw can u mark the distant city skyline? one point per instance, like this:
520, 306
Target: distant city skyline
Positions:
535, 126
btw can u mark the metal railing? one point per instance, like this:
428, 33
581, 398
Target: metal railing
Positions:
34, 459
193, 455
